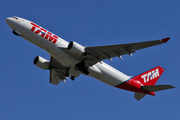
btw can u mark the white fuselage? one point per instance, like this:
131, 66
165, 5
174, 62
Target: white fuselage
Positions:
100, 71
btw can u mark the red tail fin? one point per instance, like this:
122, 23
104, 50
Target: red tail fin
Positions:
150, 77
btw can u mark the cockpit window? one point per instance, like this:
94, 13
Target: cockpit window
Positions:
15, 18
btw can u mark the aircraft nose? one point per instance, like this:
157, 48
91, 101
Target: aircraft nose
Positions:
9, 21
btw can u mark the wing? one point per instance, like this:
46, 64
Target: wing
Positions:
56, 76
96, 54
58, 72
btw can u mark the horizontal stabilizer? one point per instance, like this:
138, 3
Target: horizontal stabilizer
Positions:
154, 88
138, 96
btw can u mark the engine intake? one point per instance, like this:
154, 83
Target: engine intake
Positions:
41, 63
15, 32
76, 48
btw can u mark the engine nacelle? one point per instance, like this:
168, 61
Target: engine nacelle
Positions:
76, 48
16, 32
41, 63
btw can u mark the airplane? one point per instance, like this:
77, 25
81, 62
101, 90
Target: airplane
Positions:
70, 59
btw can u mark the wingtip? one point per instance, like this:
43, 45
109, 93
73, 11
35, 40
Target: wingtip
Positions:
172, 86
165, 39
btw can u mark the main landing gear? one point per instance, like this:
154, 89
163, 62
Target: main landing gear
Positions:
72, 77
82, 68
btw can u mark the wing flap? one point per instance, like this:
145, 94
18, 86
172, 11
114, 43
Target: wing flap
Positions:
56, 76
58, 72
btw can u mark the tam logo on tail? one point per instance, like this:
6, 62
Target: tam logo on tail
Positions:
144, 83
150, 75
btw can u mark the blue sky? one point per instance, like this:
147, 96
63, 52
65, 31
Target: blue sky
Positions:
25, 92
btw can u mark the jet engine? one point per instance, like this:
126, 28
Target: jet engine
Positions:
16, 33
76, 48
41, 63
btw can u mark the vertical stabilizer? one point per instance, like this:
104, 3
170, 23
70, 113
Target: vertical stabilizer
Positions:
150, 77
148, 80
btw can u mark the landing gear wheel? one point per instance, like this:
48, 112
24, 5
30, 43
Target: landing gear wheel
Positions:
72, 78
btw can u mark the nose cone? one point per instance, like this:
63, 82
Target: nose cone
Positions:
9, 22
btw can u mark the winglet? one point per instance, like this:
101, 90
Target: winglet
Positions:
165, 39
